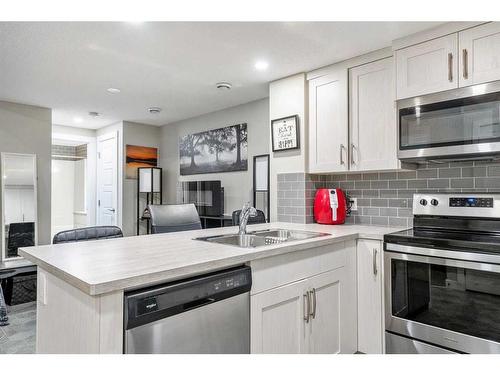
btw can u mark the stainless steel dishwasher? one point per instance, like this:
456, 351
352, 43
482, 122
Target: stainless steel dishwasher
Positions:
203, 314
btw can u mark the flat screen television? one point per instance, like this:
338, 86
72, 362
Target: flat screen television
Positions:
207, 196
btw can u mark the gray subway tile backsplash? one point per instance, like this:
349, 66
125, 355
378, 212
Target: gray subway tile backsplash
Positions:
384, 198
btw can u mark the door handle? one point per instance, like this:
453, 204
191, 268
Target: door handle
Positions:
342, 147
313, 294
465, 62
307, 307
450, 68
111, 209
375, 271
352, 153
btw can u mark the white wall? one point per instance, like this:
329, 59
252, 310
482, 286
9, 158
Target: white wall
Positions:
27, 129
287, 97
73, 131
63, 191
237, 185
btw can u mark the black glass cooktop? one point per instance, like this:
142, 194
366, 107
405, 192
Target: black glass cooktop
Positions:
471, 241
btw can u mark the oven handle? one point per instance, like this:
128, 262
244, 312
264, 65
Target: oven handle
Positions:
441, 253
431, 258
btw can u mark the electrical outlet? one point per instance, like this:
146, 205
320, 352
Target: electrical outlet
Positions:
354, 204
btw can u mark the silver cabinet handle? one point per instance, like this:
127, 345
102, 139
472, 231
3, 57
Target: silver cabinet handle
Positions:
450, 68
313, 294
352, 153
375, 271
465, 62
342, 147
307, 307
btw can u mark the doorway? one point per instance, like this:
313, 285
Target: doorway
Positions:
73, 182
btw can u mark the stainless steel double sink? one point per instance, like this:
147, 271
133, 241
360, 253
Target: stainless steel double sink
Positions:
262, 238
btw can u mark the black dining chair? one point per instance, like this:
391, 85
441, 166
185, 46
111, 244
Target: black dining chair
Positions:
260, 218
166, 218
87, 234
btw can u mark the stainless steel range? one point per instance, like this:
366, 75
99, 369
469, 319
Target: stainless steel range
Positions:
442, 278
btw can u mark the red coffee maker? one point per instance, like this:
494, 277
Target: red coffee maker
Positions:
330, 206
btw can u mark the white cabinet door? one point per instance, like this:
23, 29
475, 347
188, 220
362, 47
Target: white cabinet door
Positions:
370, 297
328, 122
277, 320
480, 54
427, 67
372, 114
330, 309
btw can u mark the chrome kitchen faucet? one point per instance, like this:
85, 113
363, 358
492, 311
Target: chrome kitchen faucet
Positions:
245, 214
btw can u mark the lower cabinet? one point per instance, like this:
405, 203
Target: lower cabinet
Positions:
370, 297
316, 314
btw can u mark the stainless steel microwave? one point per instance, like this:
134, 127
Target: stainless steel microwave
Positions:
462, 123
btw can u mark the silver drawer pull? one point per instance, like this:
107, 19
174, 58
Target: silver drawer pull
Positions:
375, 271
313, 293
307, 307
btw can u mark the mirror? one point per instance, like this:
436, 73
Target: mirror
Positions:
19, 203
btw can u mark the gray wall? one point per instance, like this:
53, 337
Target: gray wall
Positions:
28, 130
137, 135
237, 185
384, 198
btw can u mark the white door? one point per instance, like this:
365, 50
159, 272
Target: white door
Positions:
331, 329
427, 67
328, 122
373, 116
480, 54
370, 297
277, 320
107, 179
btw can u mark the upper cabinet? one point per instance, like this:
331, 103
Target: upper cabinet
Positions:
352, 123
460, 59
480, 54
372, 117
328, 119
427, 67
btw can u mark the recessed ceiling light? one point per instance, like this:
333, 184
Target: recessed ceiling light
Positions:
78, 120
261, 65
154, 110
113, 90
223, 86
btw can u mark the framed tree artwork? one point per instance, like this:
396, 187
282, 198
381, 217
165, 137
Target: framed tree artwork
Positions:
214, 151
285, 133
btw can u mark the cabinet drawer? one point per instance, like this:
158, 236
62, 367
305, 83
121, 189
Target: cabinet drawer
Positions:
276, 271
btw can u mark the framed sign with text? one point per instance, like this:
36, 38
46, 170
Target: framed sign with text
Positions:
285, 133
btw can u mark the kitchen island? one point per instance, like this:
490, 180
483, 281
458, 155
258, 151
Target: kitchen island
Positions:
81, 285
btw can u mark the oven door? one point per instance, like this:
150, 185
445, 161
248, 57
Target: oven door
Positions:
457, 123
446, 302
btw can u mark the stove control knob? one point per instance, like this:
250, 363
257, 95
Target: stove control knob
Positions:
423, 202
434, 202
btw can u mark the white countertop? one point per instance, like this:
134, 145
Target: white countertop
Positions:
98, 267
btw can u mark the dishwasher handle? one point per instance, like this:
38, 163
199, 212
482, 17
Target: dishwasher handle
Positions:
198, 303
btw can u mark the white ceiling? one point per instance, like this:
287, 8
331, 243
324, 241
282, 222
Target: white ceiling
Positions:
68, 66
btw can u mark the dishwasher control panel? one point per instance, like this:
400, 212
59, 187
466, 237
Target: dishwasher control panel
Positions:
174, 298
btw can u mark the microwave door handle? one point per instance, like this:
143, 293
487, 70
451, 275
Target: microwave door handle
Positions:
450, 67
465, 62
